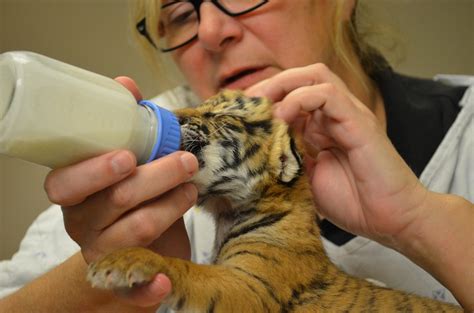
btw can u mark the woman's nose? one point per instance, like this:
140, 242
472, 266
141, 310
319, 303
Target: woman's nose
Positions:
217, 29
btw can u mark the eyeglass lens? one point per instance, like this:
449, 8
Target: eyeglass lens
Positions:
179, 20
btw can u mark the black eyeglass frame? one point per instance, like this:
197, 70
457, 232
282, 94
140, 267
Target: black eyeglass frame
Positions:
141, 25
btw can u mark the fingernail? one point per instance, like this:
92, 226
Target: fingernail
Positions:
121, 163
161, 285
158, 284
190, 191
189, 162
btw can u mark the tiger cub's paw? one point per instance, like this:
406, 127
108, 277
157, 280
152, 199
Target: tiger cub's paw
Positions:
125, 268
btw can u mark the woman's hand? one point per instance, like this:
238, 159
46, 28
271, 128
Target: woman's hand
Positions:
108, 203
359, 180
362, 184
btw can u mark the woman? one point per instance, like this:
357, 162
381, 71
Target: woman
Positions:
276, 49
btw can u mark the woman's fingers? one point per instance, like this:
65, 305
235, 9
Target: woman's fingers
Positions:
94, 194
142, 226
91, 217
333, 113
358, 177
71, 185
308, 89
312, 98
279, 86
148, 182
150, 294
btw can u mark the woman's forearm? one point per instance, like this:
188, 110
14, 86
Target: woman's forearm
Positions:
442, 242
64, 289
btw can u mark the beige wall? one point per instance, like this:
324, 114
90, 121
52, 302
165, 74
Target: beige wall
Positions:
434, 36
437, 37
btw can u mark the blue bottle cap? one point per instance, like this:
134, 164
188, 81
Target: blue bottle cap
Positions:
168, 131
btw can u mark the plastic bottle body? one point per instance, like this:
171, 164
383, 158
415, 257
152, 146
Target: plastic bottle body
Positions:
55, 114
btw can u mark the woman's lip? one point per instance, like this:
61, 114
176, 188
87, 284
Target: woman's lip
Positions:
252, 77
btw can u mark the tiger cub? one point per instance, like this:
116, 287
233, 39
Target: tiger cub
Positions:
268, 253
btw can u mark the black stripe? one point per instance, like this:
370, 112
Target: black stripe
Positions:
251, 151
212, 305
372, 300
205, 129
217, 192
308, 300
238, 214
257, 171
255, 292
222, 180
405, 305
236, 160
340, 291
179, 306
264, 222
300, 301
236, 155
246, 212
240, 101
256, 100
234, 128
316, 285
265, 284
272, 244
295, 296
195, 146
355, 297
208, 115
313, 253
233, 145
251, 127
251, 253
214, 189
297, 156
295, 152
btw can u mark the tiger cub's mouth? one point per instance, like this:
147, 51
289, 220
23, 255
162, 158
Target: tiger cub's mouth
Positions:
193, 140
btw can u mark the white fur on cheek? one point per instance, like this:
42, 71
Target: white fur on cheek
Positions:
212, 156
240, 186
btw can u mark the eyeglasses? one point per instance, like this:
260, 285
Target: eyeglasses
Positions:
179, 20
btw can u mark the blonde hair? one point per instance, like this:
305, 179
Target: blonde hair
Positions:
148, 9
352, 38
347, 37
161, 64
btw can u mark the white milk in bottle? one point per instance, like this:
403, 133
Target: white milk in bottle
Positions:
55, 114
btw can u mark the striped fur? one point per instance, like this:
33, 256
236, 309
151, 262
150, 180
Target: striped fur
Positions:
268, 253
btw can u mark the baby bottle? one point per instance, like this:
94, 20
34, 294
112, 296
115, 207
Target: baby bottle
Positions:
56, 114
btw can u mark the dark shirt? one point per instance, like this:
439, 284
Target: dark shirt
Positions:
419, 113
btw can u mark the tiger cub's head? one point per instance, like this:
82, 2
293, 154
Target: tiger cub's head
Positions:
241, 149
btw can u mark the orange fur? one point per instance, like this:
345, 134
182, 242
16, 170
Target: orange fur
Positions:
268, 256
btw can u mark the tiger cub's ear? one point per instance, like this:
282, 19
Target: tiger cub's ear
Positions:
286, 159
290, 163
